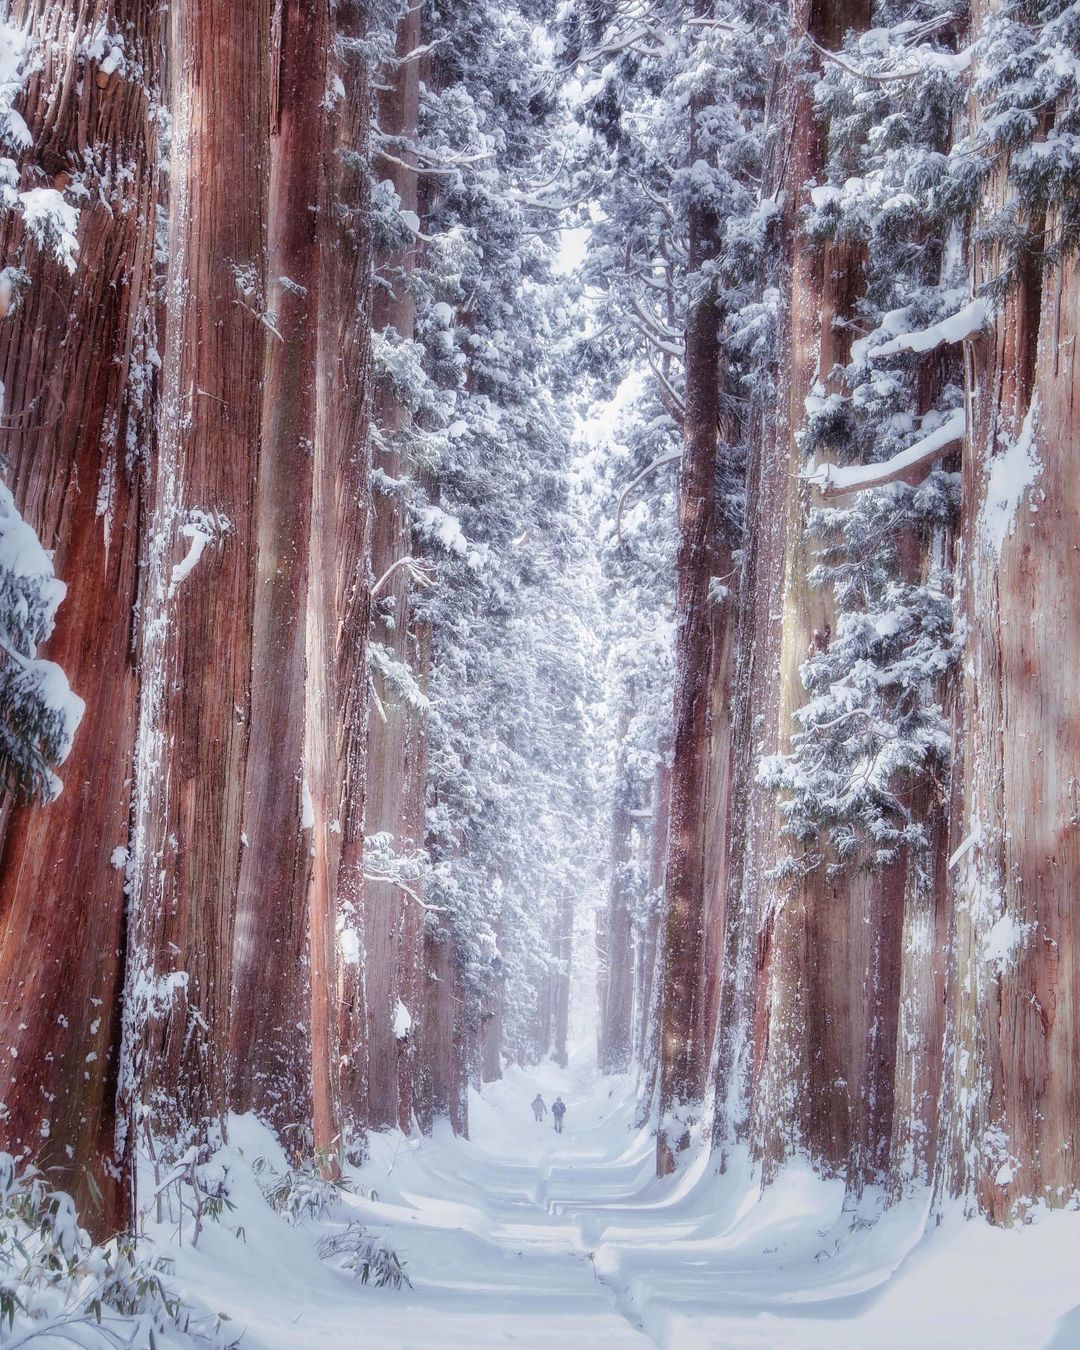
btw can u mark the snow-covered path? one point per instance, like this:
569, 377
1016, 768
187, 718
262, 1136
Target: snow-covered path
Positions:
520, 1237
490, 1264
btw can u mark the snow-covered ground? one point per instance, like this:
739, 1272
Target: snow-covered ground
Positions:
522, 1237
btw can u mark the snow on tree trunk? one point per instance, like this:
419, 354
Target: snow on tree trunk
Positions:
243, 986
1012, 1095
270, 1033
339, 603
444, 1051
617, 988
195, 640
763, 695
615, 963
192, 432
808, 995
395, 751
647, 953
832, 961
78, 370
840, 987
836, 955
811, 1047
683, 1057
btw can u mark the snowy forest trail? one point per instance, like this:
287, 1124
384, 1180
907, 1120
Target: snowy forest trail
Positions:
491, 1260
518, 1236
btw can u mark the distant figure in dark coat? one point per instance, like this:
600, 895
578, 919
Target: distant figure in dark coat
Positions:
539, 1109
558, 1110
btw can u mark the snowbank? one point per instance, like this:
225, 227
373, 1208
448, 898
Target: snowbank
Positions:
519, 1236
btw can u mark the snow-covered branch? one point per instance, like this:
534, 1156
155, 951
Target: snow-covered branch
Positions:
671, 457
672, 400
958, 327
832, 480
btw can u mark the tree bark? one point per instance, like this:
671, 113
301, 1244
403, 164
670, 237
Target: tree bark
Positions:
1012, 1098
395, 751
617, 985
682, 1056
270, 1029
76, 366
195, 634
808, 996
339, 604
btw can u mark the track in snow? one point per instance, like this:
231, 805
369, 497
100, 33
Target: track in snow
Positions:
519, 1237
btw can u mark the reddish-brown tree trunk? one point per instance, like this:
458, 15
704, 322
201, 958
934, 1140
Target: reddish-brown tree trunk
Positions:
76, 366
395, 751
244, 982
270, 1032
448, 1044
647, 947
195, 634
1012, 1095
682, 1057
339, 604
616, 959
808, 999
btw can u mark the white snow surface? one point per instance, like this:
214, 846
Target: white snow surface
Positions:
1012, 474
402, 1021
199, 539
200, 528
348, 942
521, 1237
1005, 939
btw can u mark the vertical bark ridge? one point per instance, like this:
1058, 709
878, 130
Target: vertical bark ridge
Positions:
74, 363
195, 635
270, 1027
395, 752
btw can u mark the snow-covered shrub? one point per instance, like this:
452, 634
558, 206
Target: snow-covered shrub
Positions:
39, 713
308, 1192
49, 220
193, 1189
370, 1258
56, 1283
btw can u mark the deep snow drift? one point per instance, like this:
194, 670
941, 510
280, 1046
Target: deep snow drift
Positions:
521, 1237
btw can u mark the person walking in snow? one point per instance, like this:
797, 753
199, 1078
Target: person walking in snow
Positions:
558, 1110
539, 1109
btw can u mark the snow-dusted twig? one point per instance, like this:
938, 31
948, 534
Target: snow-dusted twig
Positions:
660, 344
419, 570
417, 52
392, 880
